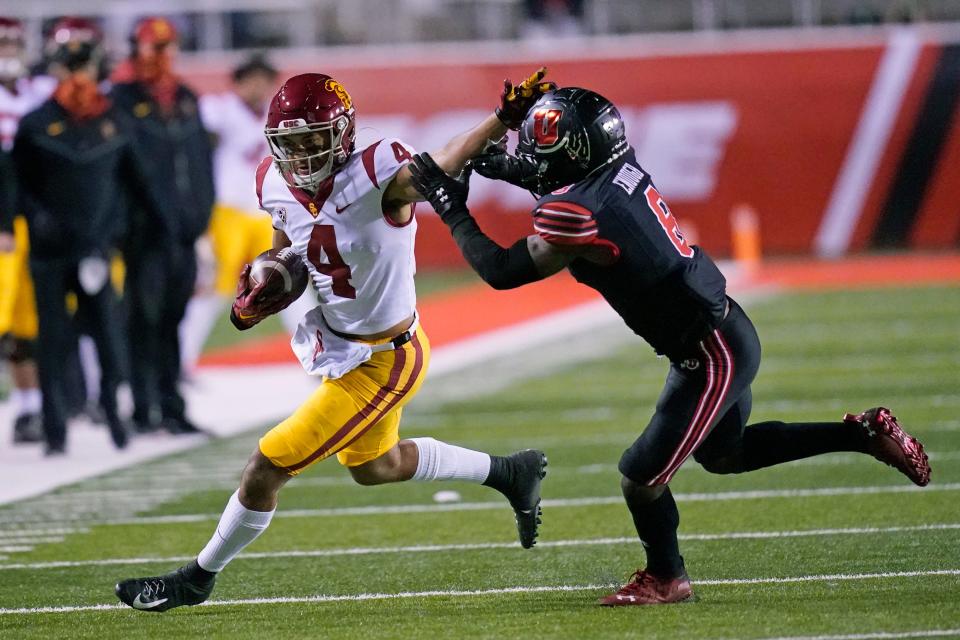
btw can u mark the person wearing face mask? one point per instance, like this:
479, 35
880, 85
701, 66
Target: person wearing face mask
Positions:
19, 94
159, 249
73, 155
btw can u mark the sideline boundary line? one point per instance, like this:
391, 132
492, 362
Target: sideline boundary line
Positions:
496, 591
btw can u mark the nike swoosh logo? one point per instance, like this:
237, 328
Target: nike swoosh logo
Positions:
139, 604
343, 208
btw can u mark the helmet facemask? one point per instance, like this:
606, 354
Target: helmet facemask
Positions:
308, 154
561, 164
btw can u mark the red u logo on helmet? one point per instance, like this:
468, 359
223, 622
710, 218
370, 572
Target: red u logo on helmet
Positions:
545, 124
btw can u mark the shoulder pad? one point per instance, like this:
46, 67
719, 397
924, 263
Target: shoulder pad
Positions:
383, 159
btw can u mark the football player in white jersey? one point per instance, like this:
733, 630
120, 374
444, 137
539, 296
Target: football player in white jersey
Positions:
238, 229
19, 94
348, 214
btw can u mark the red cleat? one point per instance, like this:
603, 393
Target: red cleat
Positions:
645, 588
890, 444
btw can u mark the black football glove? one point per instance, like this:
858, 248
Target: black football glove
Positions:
516, 101
447, 195
495, 163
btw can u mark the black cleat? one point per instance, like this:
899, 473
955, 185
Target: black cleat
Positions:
180, 426
160, 593
118, 432
28, 428
519, 476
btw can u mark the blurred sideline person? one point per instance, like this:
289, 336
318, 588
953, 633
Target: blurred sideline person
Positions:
599, 215
159, 249
73, 156
348, 215
238, 229
18, 315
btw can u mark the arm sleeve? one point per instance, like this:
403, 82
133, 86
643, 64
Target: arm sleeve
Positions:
209, 106
500, 268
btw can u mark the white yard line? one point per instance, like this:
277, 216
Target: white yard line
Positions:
483, 546
879, 635
377, 510
499, 591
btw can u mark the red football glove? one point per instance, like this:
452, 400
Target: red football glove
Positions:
249, 307
516, 101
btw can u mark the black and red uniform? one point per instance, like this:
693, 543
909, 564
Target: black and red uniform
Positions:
673, 296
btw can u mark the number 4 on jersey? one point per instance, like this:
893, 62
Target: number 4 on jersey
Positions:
667, 221
324, 237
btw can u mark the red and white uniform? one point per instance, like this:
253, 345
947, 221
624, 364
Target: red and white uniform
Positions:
240, 148
30, 94
360, 262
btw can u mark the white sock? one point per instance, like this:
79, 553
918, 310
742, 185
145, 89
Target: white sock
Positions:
237, 528
442, 461
202, 313
26, 401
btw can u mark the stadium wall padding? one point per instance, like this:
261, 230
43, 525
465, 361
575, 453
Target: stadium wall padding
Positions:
768, 126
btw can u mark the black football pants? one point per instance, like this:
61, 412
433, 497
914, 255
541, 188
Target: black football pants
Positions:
704, 405
56, 344
703, 412
160, 281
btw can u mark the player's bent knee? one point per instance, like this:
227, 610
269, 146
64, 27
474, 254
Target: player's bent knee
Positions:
731, 463
390, 467
261, 481
636, 492
633, 464
21, 350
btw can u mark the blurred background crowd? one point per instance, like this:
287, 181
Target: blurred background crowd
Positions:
130, 144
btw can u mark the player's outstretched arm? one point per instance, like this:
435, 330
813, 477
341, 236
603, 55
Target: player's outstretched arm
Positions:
527, 260
514, 103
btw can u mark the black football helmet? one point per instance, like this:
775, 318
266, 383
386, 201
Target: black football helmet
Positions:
568, 134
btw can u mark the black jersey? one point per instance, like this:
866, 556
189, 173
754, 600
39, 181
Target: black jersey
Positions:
180, 163
69, 175
668, 292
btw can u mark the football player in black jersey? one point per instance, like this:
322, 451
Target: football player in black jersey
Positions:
599, 215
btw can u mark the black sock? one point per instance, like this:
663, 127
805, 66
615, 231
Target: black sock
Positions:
656, 524
197, 575
769, 443
501, 474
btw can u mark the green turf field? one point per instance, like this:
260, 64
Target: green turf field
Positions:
834, 546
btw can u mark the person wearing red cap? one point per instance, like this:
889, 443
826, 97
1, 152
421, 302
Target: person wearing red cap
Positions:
159, 250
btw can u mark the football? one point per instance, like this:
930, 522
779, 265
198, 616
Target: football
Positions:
283, 272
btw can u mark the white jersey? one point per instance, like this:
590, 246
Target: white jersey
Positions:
360, 262
240, 147
30, 94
